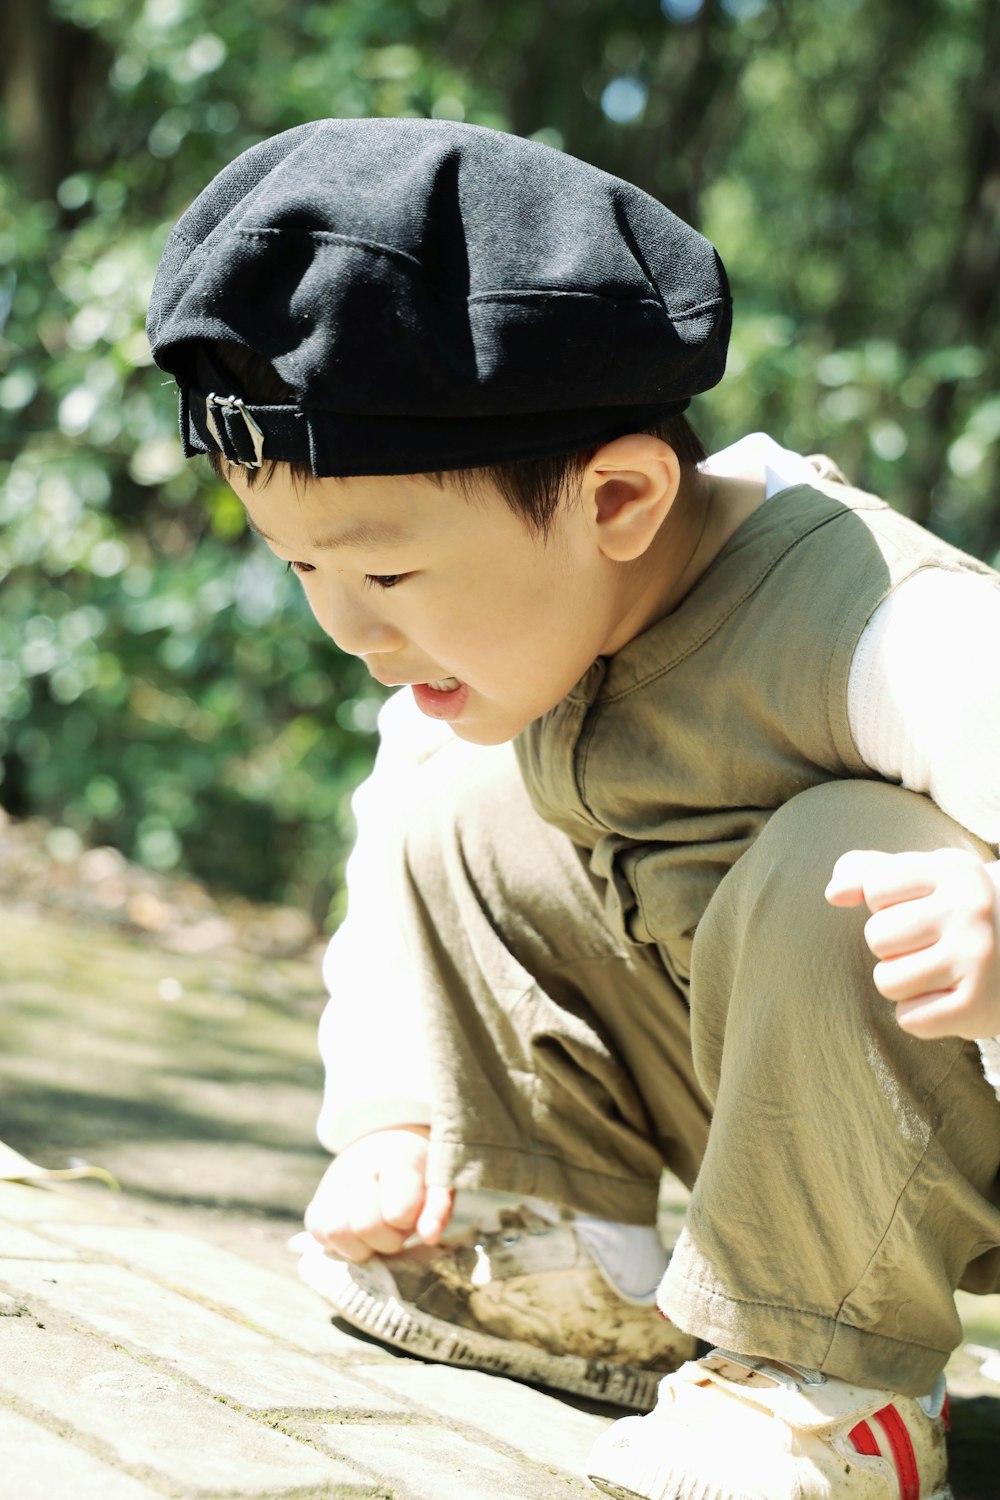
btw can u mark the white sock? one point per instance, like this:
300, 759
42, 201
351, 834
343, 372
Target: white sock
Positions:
631, 1256
933, 1404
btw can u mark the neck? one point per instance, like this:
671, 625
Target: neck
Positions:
705, 514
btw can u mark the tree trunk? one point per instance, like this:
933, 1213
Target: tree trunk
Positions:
41, 58
972, 297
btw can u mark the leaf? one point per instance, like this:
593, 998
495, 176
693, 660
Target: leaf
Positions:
17, 1168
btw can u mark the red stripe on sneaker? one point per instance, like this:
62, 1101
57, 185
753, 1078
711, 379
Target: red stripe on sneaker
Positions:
902, 1451
946, 1413
865, 1441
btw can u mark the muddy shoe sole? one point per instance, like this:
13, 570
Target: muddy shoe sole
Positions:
366, 1297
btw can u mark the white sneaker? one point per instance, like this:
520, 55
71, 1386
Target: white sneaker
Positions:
731, 1428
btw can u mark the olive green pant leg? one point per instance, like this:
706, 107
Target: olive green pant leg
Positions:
850, 1176
850, 1180
562, 1055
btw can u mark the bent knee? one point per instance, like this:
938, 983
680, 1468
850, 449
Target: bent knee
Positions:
816, 827
769, 925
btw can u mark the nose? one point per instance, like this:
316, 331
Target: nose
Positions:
355, 625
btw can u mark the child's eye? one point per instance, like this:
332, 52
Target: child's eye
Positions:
383, 580
300, 567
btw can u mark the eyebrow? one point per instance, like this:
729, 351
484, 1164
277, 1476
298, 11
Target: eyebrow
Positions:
363, 534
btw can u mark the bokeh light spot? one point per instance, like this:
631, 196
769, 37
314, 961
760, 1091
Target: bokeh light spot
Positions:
682, 11
624, 99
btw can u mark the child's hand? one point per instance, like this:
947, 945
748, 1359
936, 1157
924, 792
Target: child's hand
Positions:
936, 932
374, 1196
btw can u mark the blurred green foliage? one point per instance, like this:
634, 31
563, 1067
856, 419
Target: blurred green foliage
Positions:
162, 686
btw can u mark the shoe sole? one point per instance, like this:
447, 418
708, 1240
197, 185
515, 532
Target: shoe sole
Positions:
365, 1296
607, 1488
696, 1491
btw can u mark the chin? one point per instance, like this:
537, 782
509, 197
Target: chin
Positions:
483, 735
497, 733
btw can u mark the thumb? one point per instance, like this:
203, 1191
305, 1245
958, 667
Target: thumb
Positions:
847, 883
435, 1214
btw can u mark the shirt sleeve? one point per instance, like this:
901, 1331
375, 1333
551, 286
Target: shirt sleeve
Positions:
371, 1039
989, 1048
924, 704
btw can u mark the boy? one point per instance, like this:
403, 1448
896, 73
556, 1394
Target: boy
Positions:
445, 371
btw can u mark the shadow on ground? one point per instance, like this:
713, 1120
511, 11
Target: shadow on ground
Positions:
195, 1080
975, 1447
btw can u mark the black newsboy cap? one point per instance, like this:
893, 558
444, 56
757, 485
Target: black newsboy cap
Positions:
436, 296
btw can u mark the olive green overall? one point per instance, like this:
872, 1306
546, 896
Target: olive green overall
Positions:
629, 964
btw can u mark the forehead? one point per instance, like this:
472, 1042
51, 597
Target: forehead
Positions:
365, 512
373, 533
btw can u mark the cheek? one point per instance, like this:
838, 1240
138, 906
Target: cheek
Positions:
313, 599
320, 603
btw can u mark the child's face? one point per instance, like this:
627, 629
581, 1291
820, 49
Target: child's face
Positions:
490, 624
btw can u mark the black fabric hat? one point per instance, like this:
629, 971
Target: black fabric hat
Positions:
437, 296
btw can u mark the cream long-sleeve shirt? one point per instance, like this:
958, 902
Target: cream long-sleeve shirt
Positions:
924, 711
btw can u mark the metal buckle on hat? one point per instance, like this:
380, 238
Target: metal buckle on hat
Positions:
233, 403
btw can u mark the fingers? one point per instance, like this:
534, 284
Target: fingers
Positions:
436, 1214
879, 879
333, 1233
401, 1195
846, 886
907, 928
934, 1016
372, 1195
928, 972
367, 1218
935, 929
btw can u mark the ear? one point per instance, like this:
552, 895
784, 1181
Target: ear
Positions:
629, 487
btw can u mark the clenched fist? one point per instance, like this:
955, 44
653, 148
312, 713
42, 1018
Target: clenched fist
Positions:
935, 929
374, 1196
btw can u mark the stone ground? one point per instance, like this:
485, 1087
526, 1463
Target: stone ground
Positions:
155, 1342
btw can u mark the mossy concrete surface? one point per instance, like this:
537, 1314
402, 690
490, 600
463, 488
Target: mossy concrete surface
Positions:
194, 1079
169, 1313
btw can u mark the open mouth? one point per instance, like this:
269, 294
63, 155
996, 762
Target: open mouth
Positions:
444, 699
